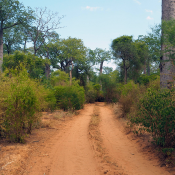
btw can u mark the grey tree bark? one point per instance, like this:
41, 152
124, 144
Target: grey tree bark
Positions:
167, 68
1, 49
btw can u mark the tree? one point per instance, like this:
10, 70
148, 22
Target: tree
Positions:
83, 68
125, 50
153, 42
44, 25
33, 64
12, 13
73, 50
50, 50
12, 39
167, 68
102, 56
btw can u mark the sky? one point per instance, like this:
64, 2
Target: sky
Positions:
98, 22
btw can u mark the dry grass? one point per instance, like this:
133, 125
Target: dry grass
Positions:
94, 132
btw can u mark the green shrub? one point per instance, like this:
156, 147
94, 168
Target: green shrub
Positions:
109, 87
19, 105
90, 96
129, 94
90, 93
146, 79
70, 97
156, 112
34, 65
21, 98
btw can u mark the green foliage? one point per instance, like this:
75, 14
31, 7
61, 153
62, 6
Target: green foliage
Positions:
127, 88
125, 50
70, 97
34, 65
59, 78
21, 98
128, 96
146, 79
19, 104
90, 93
156, 112
109, 87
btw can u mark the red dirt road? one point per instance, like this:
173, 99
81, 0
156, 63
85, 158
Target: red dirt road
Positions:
69, 151
125, 152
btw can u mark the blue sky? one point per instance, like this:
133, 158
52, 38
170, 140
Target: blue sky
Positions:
98, 22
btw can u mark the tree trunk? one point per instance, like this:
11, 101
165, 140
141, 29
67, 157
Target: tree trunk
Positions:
167, 68
144, 71
25, 42
125, 70
1, 49
71, 73
87, 79
148, 68
47, 70
101, 68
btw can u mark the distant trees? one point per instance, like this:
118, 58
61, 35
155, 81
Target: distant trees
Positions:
124, 49
12, 13
43, 26
73, 50
101, 56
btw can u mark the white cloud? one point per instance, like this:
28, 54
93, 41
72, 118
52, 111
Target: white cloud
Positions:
93, 8
149, 18
149, 11
138, 2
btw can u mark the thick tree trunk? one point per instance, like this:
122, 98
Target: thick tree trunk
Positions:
1, 49
167, 68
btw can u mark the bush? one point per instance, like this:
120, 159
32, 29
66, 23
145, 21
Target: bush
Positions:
109, 87
19, 105
20, 101
129, 94
70, 97
156, 112
146, 79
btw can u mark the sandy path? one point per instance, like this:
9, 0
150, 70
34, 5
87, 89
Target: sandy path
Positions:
124, 151
69, 152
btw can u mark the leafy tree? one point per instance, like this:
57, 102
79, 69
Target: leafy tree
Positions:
153, 42
34, 65
83, 68
12, 13
51, 51
102, 56
12, 40
73, 50
125, 50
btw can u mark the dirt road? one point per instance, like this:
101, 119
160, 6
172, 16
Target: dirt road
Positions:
69, 151
125, 152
